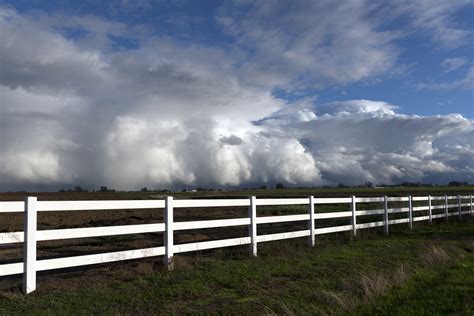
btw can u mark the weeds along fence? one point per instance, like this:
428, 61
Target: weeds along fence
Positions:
449, 206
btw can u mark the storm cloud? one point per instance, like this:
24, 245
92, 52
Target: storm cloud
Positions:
169, 113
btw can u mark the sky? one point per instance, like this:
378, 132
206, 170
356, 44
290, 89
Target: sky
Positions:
172, 94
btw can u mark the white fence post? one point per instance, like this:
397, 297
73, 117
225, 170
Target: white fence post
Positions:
385, 214
430, 209
459, 206
311, 227
354, 216
168, 234
470, 196
410, 211
253, 226
29, 244
446, 207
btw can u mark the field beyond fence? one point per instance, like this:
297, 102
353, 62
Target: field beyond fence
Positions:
347, 214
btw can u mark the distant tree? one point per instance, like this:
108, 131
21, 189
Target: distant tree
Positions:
369, 184
264, 187
62, 191
144, 189
279, 185
103, 189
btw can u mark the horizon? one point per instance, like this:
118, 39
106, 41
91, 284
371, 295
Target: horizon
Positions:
235, 94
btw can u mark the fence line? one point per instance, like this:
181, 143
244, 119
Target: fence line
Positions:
30, 235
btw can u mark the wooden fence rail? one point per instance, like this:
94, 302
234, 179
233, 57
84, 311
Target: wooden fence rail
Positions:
30, 235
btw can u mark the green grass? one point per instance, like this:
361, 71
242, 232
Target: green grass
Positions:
425, 271
438, 291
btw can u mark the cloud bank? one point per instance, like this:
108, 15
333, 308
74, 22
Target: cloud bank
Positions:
74, 111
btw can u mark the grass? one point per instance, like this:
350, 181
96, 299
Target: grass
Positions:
437, 291
425, 271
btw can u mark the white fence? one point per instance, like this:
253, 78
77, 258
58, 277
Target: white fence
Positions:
30, 236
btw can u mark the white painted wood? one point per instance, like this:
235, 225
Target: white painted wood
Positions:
279, 236
369, 199
31, 265
398, 209
282, 218
211, 223
59, 263
29, 251
299, 201
12, 207
430, 210
335, 229
253, 226
311, 226
371, 224
399, 221
203, 245
398, 199
86, 232
333, 201
371, 212
354, 216
420, 198
168, 235
11, 238
211, 203
446, 207
385, 216
419, 208
421, 218
99, 205
410, 211
470, 198
331, 214
11, 268
459, 206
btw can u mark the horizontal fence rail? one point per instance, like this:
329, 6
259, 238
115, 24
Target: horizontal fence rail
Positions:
30, 235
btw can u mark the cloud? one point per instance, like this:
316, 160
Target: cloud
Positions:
231, 140
296, 44
436, 19
351, 107
450, 64
173, 113
383, 146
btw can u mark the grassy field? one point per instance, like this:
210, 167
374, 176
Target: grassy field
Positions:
427, 271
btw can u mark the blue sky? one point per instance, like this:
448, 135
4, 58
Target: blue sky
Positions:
232, 93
